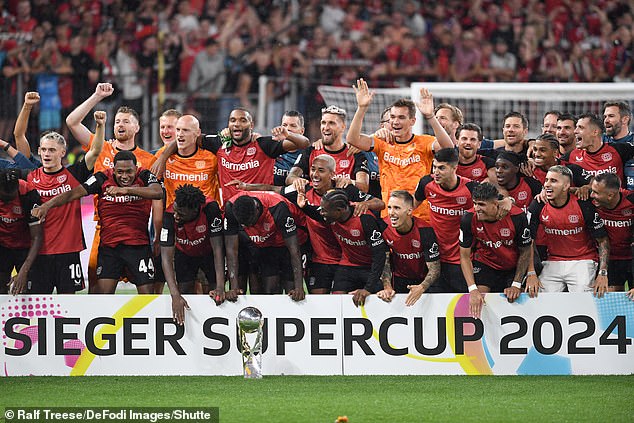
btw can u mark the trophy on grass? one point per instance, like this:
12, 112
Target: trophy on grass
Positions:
250, 320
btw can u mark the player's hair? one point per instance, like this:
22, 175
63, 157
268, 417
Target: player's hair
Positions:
331, 164
594, 120
9, 179
470, 127
245, 110
485, 192
386, 111
338, 198
54, 136
298, 115
456, 113
124, 155
517, 115
512, 157
552, 112
171, 113
335, 110
401, 194
609, 179
130, 111
245, 209
562, 170
624, 107
406, 102
567, 116
550, 139
189, 196
447, 155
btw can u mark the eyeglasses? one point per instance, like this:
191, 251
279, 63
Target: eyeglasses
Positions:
334, 110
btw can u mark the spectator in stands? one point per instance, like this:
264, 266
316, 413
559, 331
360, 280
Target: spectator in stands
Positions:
206, 82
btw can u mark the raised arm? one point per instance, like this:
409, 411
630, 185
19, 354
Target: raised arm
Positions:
31, 98
364, 98
74, 119
426, 107
290, 140
97, 143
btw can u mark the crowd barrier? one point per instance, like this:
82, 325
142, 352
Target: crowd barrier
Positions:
324, 335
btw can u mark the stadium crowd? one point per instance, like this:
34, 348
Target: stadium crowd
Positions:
238, 211
216, 50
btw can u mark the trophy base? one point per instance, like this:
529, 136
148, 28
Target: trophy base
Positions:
252, 370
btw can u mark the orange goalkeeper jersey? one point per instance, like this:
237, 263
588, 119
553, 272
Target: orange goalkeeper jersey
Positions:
199, 169
402, 164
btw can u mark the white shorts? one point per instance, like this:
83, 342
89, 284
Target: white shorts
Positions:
577, 275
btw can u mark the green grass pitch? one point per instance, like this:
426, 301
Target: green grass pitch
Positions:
362, 398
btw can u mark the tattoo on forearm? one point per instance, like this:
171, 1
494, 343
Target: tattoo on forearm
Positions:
386, 276
604, 252
522, 263
433, 273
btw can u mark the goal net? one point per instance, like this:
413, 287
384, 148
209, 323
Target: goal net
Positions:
486, 104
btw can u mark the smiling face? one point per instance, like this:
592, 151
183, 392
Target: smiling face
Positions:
602, 196
514, 131
399, 212
330, 212
566, 133
486, 210
444, 174
556, 186
187, 132
167, 128
544, 154
468, 145
321, 176
614, 122
550, 124
586, 134
240, 126
125, 127
446, 120
401, 123
332, 128
124, 172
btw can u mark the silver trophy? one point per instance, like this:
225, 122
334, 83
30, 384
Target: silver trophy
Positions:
250, 321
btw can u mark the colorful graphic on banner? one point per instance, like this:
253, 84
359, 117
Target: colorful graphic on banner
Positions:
324, 335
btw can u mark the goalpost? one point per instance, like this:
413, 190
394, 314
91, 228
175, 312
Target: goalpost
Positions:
486, 103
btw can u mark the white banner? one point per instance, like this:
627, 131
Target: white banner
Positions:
323, 335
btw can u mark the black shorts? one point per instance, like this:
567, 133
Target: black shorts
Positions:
248, 255
186, 268
321, 276
60, 271
496, 280
348, 278
12, 258
619, 272
451, 280
159, 275
275, 261
135, 260
400, 284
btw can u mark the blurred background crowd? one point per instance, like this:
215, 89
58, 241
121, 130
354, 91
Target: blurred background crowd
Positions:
208, 56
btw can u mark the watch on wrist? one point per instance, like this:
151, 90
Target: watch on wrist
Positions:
603, 272
6, 147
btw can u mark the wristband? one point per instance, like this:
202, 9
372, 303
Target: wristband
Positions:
6, 147
473, 287
531, 273
517, 285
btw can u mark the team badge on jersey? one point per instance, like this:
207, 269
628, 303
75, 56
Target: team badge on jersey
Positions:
251, 151
505, 232
201, 229
415, 243
573, 218
476, 172
344, 163
461, 200
17, 210
627, 212
522, 195
606, 157
61, 179
200, 164
267, 226
355, 232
